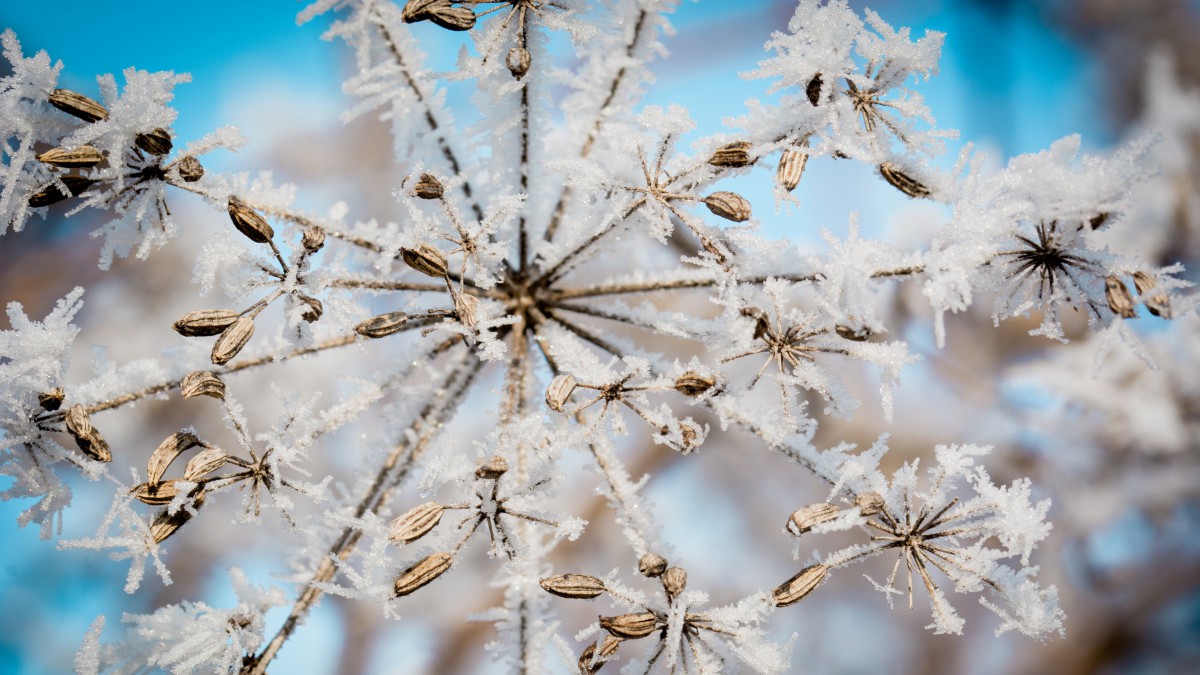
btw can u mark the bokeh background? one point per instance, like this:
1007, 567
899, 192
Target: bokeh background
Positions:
1015, 76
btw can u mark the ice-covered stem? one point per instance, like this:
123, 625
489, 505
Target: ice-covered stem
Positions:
551, 275
522, 233
392, 472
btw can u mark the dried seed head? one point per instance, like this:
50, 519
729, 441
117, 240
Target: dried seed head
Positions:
313, 239
593, 659
674, 580
630, 626
51, 400
728, 205
313, 308
1158, 303
52, 194
166, 452
79, 157
205, 322
793, 590
694, 384
190, 169
902, 181
791, 167
518, 61
248, 222
425, 259
157, 142
232, 340
204, 463
155, 494
415, 523
808, 517
382, 325
868, 503
452, 18
1120, 301
855, 333
167, 524
652, 565
813, 90
735, 154
466, 309
495, 468
423, 572
78, 105
202, 383
429, 187
560, 389
578, 586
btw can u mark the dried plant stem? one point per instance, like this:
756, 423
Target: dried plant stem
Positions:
522, 234
554, 273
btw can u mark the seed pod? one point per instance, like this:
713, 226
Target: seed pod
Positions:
652, 565
593, 659
869, 503
78, 105
429, 187
452, 18
166, 452
157, 142
166, 524
857, 334
1159, 303
51, 400
382, 325
232, 340
418, 10
902, 181
813, 90
492, 470
630, 626
87, 438
423, 572
735, 154
155, 494
762, 325
559, 391
204, 463
313, 239
202, 383
205, 322
791, 167
577, 586
518, 61
248, 222
313, 310
718, 250
1120, 301
1098, 220
674, 580
691, 435
190, 169
415, 523
52, 194
466, 309
808, 517
728, 205
79, 157
793, 590
694, 384
425, 259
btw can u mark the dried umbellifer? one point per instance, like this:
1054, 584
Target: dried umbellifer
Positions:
694, 384
808, 517
79, 157
868, 503
418, 10
576, 586
428, 187
1120, 301
518, 61
202, 383
232, 340
313, 239
674, 580
791, 167
420, 574
795, 589
204, 463
249, 222
415, 522
426, 259
382, 325
630, 626
466, 309
52, 193
728, 205
652, 565
156, 142
734, 155
205, 322
451, 18
166, 452
559, 391
78, 105
155, 494
87, 437
902, 181
855, 333
190, 169
53, 399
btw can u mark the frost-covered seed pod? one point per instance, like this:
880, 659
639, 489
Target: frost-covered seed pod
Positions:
249, 222
452, 18
734, 155
630, 626
728, 205
314, 309
51, 400
79, 157
313, 239
495, 468
415, 523
855, 333
791, 167
155, 494
420, 574
382, 325
166, 524
205, 322
652, 565
190, 169
232, 340
166, 452
78, 105
87, 437
576, 586
868, 503
466, 309
202, 383
156, 142
762, 325
795, 589
1120, 301
518, 61
559, 391
426, 259
593, 659
808, 517
77, 421
813, 90
902, 181
418, 10
674, 580
204, 463
691, 436
52, 194
429, 187
1158, 303
694, 384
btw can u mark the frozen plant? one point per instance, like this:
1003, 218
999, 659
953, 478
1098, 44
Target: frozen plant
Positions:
563, 289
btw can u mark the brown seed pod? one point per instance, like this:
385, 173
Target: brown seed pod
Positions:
791, 167
204, 463
694, 384
77, 421
1158, 303
426, 259
248, 222
415, 523
202, 383
313, 239
466, 309
52, 193
78, 105
155, 494
518, 61
808, 517
313, 308
421, 573
630, 626
166, 524
857, 334
87, 437
382, 325
452, 18
79, 157
51, 400
559, 391
795, 589
190, 169
593, 659
652, 565
576, 586
735, 154
674, 580
691, 435
762, 325
429, 187
204, 322
902, 181
172, 446
156, 142
869, 503
728, 205
418, 10
232, 340
495, 468
1120, 301
813, 90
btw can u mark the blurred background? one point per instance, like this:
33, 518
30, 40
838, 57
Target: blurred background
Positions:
1015, 76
